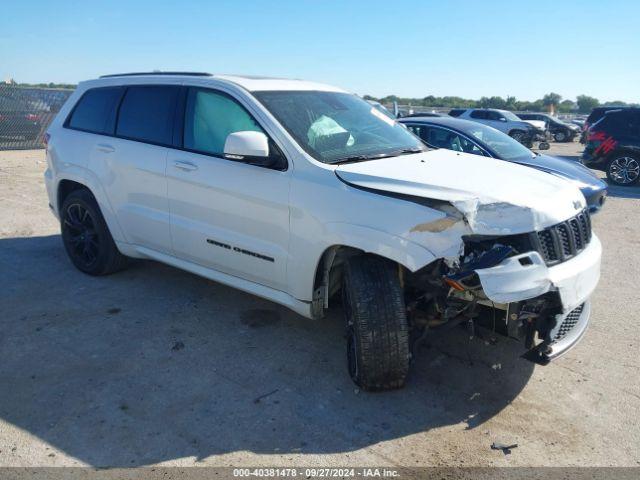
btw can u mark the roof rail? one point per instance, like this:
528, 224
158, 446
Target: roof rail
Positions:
134, 74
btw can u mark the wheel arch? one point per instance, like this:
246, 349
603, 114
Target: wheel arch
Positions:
68, 184
327, 271
65, 187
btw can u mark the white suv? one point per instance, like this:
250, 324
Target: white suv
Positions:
297, 192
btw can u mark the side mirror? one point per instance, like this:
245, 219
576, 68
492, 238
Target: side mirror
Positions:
253, 148
240, 145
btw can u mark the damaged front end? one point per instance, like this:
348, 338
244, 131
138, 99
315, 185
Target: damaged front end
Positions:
533, 287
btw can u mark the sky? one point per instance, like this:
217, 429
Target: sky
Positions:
407, 48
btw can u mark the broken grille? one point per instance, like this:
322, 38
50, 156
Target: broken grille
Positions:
565, 240
569, 322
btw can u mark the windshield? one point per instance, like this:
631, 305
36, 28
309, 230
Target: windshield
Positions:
506, 147
510, 116
337, 127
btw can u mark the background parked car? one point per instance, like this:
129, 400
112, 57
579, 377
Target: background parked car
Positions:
504, 121
595, 115
471, 137
613, 145
18, 119
561, 131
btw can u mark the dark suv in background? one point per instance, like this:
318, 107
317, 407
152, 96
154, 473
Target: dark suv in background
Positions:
595, 115
613, 145
560, 131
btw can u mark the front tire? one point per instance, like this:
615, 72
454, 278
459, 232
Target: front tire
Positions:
86, 236
377, 327
623, 169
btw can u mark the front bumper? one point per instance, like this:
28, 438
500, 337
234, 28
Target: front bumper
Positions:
569, 329
525, 280
526, 276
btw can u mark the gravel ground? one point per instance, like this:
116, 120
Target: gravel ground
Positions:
157, 366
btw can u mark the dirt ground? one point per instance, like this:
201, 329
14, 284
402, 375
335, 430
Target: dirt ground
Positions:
157, 366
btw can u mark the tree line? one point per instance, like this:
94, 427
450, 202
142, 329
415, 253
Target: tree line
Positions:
551, 101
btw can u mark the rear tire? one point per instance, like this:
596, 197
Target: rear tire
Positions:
377, 328
86, 236
624, 169
560, 136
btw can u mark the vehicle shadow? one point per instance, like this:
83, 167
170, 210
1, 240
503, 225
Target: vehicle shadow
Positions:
154, 364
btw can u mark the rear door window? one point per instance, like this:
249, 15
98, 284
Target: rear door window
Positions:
147, 113
96, 110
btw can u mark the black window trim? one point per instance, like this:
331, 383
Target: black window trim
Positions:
177, 136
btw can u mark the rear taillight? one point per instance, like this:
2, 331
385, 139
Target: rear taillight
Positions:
45, 139
32, 117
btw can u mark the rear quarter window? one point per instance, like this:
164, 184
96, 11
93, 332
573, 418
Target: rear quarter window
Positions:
147, 113
456, 112
96, 110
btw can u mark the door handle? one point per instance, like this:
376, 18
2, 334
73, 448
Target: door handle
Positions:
103, 147
186, 166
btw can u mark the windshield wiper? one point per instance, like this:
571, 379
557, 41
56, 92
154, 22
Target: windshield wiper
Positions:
406, 151
362, 158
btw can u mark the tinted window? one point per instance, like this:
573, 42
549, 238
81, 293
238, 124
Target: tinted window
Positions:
419, 130
597, 113
443, 138
622, 122
210, 118
456, 112
506, 147
146, 113
95, 112
482, 114
494, 115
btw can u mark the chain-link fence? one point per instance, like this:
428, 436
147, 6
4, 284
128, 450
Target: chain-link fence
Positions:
25, 114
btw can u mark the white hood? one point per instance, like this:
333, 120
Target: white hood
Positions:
496, 197
537, 123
